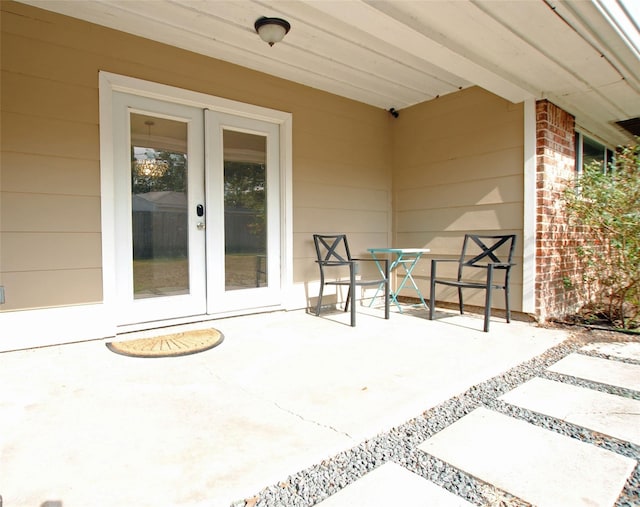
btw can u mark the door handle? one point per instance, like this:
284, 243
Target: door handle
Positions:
200, 213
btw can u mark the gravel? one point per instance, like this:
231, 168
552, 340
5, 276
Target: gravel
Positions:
400, 445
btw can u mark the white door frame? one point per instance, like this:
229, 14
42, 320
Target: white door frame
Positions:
109, 83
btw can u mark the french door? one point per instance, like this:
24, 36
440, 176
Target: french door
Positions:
243, 200
197, 211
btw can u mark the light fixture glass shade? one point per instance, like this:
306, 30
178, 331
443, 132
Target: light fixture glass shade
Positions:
272, 30
151, 168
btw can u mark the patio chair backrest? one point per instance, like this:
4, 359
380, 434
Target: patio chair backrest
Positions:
480, 250
332, 249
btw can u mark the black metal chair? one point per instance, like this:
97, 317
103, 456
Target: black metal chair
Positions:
487, 253
332, 254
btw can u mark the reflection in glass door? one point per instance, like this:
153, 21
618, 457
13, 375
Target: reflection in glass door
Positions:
245, 220
159, 219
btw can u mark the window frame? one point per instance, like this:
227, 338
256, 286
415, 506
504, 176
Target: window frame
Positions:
608, 154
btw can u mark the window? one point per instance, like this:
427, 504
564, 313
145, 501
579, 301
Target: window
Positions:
589, 151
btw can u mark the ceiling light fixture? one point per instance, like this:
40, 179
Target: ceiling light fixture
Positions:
272, 30
151, 167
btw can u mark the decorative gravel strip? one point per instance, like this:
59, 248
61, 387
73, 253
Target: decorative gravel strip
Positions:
589, 384
594, 353
311, 486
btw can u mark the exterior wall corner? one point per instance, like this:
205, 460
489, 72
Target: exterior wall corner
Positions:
555, 265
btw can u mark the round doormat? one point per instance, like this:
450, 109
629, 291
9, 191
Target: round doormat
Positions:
170, 345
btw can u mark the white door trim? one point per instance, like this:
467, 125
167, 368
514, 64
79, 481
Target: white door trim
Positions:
108, 83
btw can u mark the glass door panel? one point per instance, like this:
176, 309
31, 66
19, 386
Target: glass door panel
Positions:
245, 218
159, 218
159, 214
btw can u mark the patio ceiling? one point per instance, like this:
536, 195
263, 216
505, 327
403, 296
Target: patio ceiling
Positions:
583, 55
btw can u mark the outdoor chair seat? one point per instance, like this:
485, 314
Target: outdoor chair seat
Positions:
333, 254
490, 254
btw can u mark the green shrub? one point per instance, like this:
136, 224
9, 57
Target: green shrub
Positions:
604, 208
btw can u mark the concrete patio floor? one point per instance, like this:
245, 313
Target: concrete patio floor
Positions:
82, 426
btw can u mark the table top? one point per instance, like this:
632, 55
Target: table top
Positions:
399, 250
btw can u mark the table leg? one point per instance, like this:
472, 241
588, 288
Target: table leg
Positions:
408, 265
392, 294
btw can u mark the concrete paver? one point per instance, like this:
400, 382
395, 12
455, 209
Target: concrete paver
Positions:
605, 371
609, 414
392, 484
537, 465
627, 350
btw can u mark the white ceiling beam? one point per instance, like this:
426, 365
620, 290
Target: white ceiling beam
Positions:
369, 18
597, 26
391, 53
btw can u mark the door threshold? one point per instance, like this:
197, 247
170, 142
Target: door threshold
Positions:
192, 323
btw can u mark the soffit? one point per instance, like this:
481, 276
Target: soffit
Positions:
400, 53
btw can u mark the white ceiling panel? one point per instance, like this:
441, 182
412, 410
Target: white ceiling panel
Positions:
582, 54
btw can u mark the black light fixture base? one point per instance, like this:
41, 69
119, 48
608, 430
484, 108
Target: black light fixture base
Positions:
265, 22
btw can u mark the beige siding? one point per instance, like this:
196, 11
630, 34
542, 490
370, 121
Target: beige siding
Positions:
52, 288
456, 162
50, 176
62, 175
459, 168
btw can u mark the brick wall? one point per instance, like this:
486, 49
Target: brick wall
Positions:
556, 264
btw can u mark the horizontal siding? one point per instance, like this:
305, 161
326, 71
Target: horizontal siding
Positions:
452, 165
38, 289
361, 173
27, 54
448, 244
483, 192
49, 213
322, 220
43, 98
63, 176
24, 133
50, 177
22, 251
459, 168
327, 196
499, 217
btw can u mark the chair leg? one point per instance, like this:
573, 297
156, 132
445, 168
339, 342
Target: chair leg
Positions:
487, 304
460, 300
432, 293
353, 315
352, 294
319, 305
346, 303
506, 301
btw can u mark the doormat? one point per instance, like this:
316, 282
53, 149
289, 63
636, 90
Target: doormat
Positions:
170, 345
